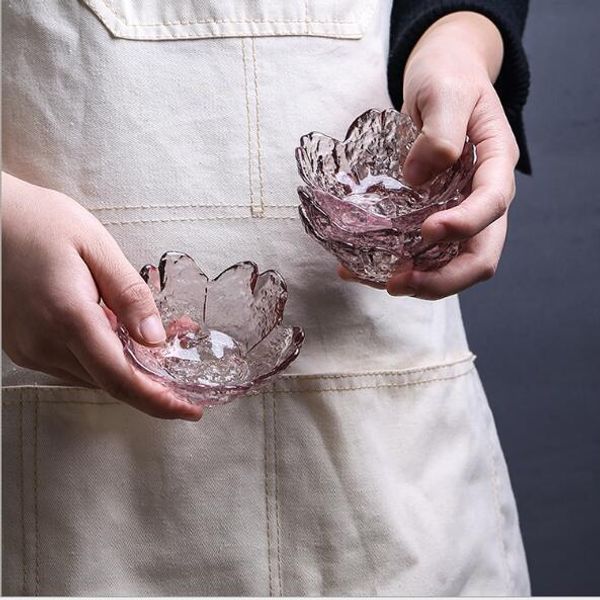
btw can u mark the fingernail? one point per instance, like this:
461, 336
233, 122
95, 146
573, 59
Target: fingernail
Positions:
152, 330
417, 172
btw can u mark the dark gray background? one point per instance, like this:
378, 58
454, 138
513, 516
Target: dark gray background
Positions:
536, 326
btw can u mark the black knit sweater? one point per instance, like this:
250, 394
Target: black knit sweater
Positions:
410, 19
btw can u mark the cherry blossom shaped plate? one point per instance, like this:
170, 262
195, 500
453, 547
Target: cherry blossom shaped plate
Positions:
356, 204
225, 336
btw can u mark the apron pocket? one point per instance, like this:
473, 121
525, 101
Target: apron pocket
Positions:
157, 20
391, 484
100, 499
383, 483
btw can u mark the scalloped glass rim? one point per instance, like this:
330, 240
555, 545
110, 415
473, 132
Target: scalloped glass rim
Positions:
355, 201
158, 278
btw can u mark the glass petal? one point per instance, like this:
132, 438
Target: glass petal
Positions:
357, 204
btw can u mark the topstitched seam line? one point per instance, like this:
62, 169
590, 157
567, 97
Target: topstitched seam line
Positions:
246, 88
277, 506
14, 401
241, 21
398, 384
22, 497
113, 9
35, 494
369, 387
267, 494
170, 206
210, 35
93, 5
189, 219
306, 17
258, 143
398, 373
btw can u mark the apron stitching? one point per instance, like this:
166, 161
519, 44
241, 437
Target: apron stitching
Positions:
97, 11
114, 11
369, 387
373, 373
109, 5
284, 377
150, 206
35, 495
306, 16
277, 507
261, 208
267, 503
282, 391
11, 401
210, 35
246, 87
194, 219
21, 460
501, 541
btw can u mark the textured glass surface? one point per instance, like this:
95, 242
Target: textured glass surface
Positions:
357, 205
224, 336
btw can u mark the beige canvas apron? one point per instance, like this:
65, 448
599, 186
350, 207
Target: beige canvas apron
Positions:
373, 466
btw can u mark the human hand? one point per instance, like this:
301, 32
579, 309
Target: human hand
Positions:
449, 93
58, 262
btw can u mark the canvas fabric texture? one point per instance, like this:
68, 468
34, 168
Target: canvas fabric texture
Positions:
373, 465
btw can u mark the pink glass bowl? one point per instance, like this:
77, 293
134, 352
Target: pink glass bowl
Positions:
356, 204
224, 336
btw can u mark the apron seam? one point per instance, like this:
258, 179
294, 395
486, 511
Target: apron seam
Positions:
22, 498
115, 12
270, 392
392, 372
267, 495
35, 494
277, 506
152, 206
247, 93
113, 9
260, 209
12, 401
306, 17
210, 35
191, 219
370, 387
40, 401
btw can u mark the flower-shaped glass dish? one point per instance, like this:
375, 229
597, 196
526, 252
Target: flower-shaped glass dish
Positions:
357, 205
224, 336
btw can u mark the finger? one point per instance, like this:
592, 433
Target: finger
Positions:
493, 186
347, 275
444, 112
477, 262
123, 290
492, 192
101, 354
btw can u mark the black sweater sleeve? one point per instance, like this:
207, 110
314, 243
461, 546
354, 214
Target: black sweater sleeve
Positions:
410, 19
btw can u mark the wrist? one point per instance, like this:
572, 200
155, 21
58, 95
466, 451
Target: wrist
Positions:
463, 38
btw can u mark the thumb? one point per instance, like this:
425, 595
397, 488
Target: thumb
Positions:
124, 291
445, 118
